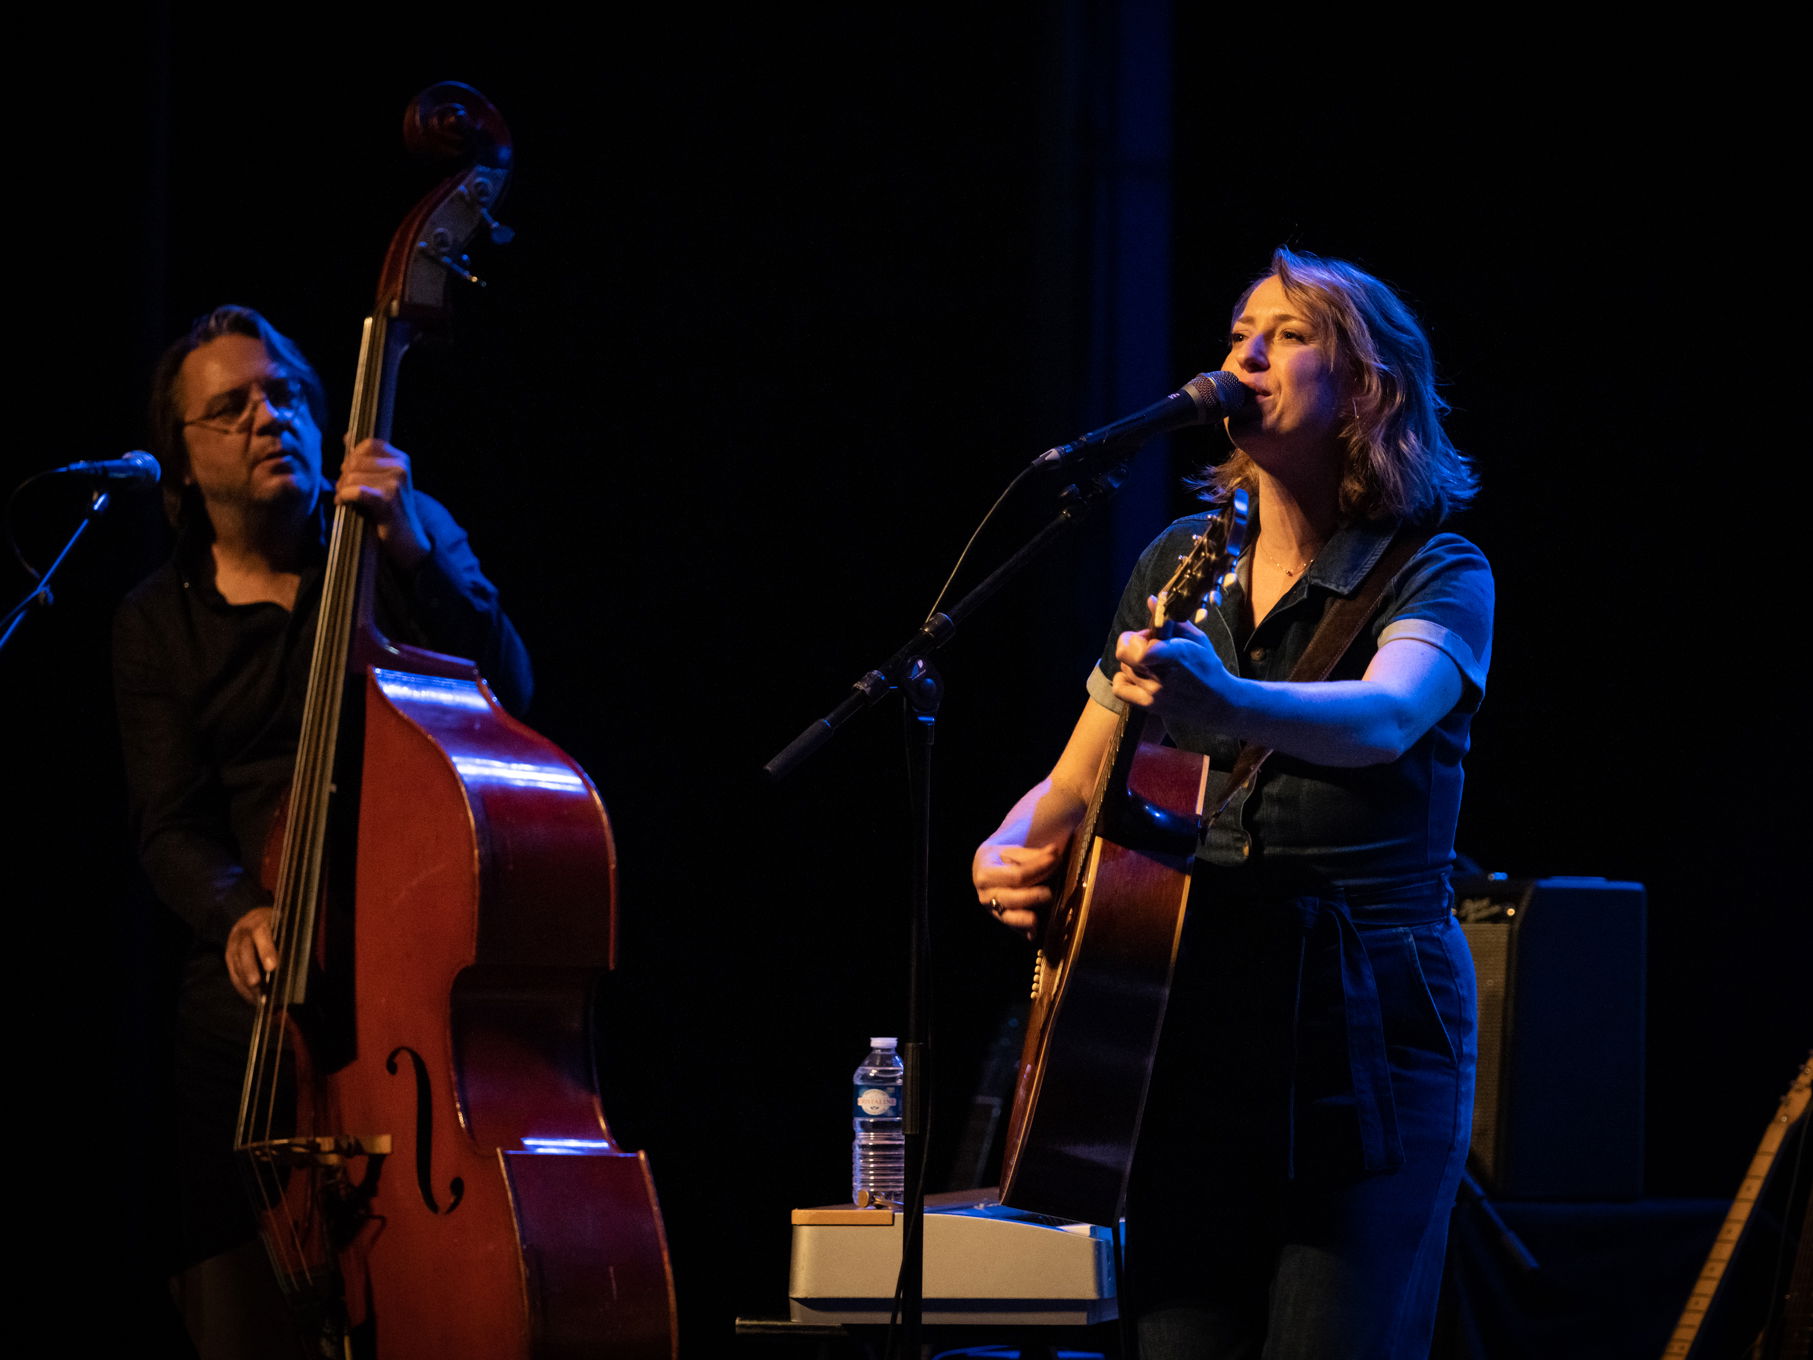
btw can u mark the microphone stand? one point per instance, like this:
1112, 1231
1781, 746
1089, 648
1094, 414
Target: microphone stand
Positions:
1507, 1242
908, 671
40, 594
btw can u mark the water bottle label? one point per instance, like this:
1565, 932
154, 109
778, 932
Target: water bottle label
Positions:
877, 1102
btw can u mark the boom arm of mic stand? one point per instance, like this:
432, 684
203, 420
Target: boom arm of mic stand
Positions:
940, 628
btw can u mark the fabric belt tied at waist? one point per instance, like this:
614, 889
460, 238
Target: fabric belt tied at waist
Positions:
1330, 927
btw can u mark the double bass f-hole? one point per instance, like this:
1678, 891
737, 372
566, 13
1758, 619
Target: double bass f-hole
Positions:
424, 1134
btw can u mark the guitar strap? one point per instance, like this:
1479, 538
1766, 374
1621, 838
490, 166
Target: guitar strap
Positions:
1333, 636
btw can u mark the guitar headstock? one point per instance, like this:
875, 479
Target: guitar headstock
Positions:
1207, 569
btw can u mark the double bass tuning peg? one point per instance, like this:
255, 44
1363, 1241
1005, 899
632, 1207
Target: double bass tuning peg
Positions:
478, 195
500, 234
441, 247
458, 266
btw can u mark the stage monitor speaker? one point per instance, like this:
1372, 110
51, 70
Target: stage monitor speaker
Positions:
1559, 1109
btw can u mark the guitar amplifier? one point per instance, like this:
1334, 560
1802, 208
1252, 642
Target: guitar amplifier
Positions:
1559, 1109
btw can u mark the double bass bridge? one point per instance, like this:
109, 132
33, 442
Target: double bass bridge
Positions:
329, 1150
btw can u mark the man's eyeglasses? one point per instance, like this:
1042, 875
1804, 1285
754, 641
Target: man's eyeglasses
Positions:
233, 412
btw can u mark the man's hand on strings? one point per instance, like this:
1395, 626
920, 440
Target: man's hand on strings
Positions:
251, 953
375, 479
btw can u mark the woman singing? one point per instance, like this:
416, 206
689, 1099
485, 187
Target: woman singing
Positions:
1310, 1105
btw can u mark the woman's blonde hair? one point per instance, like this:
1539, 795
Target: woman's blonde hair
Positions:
1399, 462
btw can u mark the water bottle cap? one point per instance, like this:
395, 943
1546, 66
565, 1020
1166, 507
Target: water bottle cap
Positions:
884, 1043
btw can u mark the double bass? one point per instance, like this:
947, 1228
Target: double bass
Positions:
420, 1121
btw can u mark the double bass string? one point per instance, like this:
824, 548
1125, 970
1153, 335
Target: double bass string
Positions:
300, 875
295, 903
305, 849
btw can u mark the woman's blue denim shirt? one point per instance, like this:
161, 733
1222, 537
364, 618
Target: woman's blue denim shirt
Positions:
1353, 827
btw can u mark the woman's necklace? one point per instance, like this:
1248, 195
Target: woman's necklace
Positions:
1291, 573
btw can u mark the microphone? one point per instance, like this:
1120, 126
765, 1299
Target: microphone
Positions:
136, 469
1206, 397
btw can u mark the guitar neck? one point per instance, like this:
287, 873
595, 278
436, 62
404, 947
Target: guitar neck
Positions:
1712, 1274
1117, 764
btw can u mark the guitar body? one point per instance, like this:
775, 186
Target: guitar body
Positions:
1100, 984
1103, 971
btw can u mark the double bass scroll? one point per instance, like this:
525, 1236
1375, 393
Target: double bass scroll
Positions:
420, 1120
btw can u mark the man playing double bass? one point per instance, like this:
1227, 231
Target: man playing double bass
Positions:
211, 658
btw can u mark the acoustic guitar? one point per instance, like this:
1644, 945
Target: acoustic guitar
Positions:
1102, 973
1789, 1332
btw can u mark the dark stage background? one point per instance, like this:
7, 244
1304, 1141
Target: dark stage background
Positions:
789, 303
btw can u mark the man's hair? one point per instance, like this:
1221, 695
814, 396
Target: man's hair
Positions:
1398, 460
166, 418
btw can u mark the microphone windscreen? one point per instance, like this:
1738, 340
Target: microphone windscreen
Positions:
1216, 394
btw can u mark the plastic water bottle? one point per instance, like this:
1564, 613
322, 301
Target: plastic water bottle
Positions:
878, 1155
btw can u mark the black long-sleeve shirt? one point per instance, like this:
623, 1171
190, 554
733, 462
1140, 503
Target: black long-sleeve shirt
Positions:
210, 698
